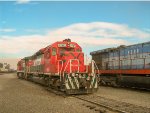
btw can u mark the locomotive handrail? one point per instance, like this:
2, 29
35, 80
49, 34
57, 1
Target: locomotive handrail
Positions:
74, 65
66, 66
93, 62
70, 61
59, 72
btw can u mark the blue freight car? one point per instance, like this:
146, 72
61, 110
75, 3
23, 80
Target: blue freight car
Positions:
126, 65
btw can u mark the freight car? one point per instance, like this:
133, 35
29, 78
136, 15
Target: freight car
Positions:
61, 66
124, 65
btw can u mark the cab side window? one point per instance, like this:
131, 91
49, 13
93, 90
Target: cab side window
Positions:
54, 50
48, 54
78, 50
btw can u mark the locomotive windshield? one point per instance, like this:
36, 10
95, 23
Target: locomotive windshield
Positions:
61, 50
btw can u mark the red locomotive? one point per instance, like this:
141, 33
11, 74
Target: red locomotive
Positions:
60, 65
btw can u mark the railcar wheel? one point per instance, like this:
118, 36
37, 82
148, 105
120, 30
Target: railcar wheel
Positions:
113, 84
102, 82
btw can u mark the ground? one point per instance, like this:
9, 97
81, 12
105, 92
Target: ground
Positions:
20, 96
133, 96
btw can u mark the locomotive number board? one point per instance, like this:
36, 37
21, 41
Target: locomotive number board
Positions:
62, 45
65, 45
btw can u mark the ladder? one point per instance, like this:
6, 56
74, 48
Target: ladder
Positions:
59, 71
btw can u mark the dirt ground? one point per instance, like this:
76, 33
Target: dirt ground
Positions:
20, 96
132, 96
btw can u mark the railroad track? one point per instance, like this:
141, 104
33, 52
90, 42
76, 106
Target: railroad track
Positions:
112, 105
101, 110
107, 108
106, 105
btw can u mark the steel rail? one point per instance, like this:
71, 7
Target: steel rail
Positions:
101, 105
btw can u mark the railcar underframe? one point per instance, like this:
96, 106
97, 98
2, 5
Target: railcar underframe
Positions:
73, 83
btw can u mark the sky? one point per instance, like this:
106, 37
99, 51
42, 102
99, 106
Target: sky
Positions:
26, 26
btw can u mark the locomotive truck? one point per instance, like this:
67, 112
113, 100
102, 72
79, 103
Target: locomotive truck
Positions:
124, 65
60, 66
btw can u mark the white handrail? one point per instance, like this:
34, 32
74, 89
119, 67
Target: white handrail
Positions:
66, 66
70, 61
59, 72
73, 65
93, 62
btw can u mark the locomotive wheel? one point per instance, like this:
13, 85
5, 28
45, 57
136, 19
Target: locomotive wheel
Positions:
20, 75
102, 82
56, 83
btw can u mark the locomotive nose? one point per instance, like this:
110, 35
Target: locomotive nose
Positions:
72, 61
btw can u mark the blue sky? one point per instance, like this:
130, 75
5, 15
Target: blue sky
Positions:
26, 26
42, 15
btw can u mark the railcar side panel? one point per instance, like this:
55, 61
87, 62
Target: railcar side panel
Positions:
126, 61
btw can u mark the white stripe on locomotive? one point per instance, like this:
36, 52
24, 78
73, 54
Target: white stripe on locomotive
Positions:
71, 82
77, 82
67, 85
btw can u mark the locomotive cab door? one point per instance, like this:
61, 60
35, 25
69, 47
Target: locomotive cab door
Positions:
47, 61
53, 59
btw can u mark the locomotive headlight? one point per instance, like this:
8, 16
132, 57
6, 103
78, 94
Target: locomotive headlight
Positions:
76, 75
73, 74
68, 44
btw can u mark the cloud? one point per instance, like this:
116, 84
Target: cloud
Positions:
102, 30
148, 30
7, 30
89, 35
22, 1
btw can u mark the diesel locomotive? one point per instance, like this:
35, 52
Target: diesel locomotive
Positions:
124, 65
60, 66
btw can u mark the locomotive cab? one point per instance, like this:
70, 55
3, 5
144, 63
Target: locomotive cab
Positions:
71, 55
